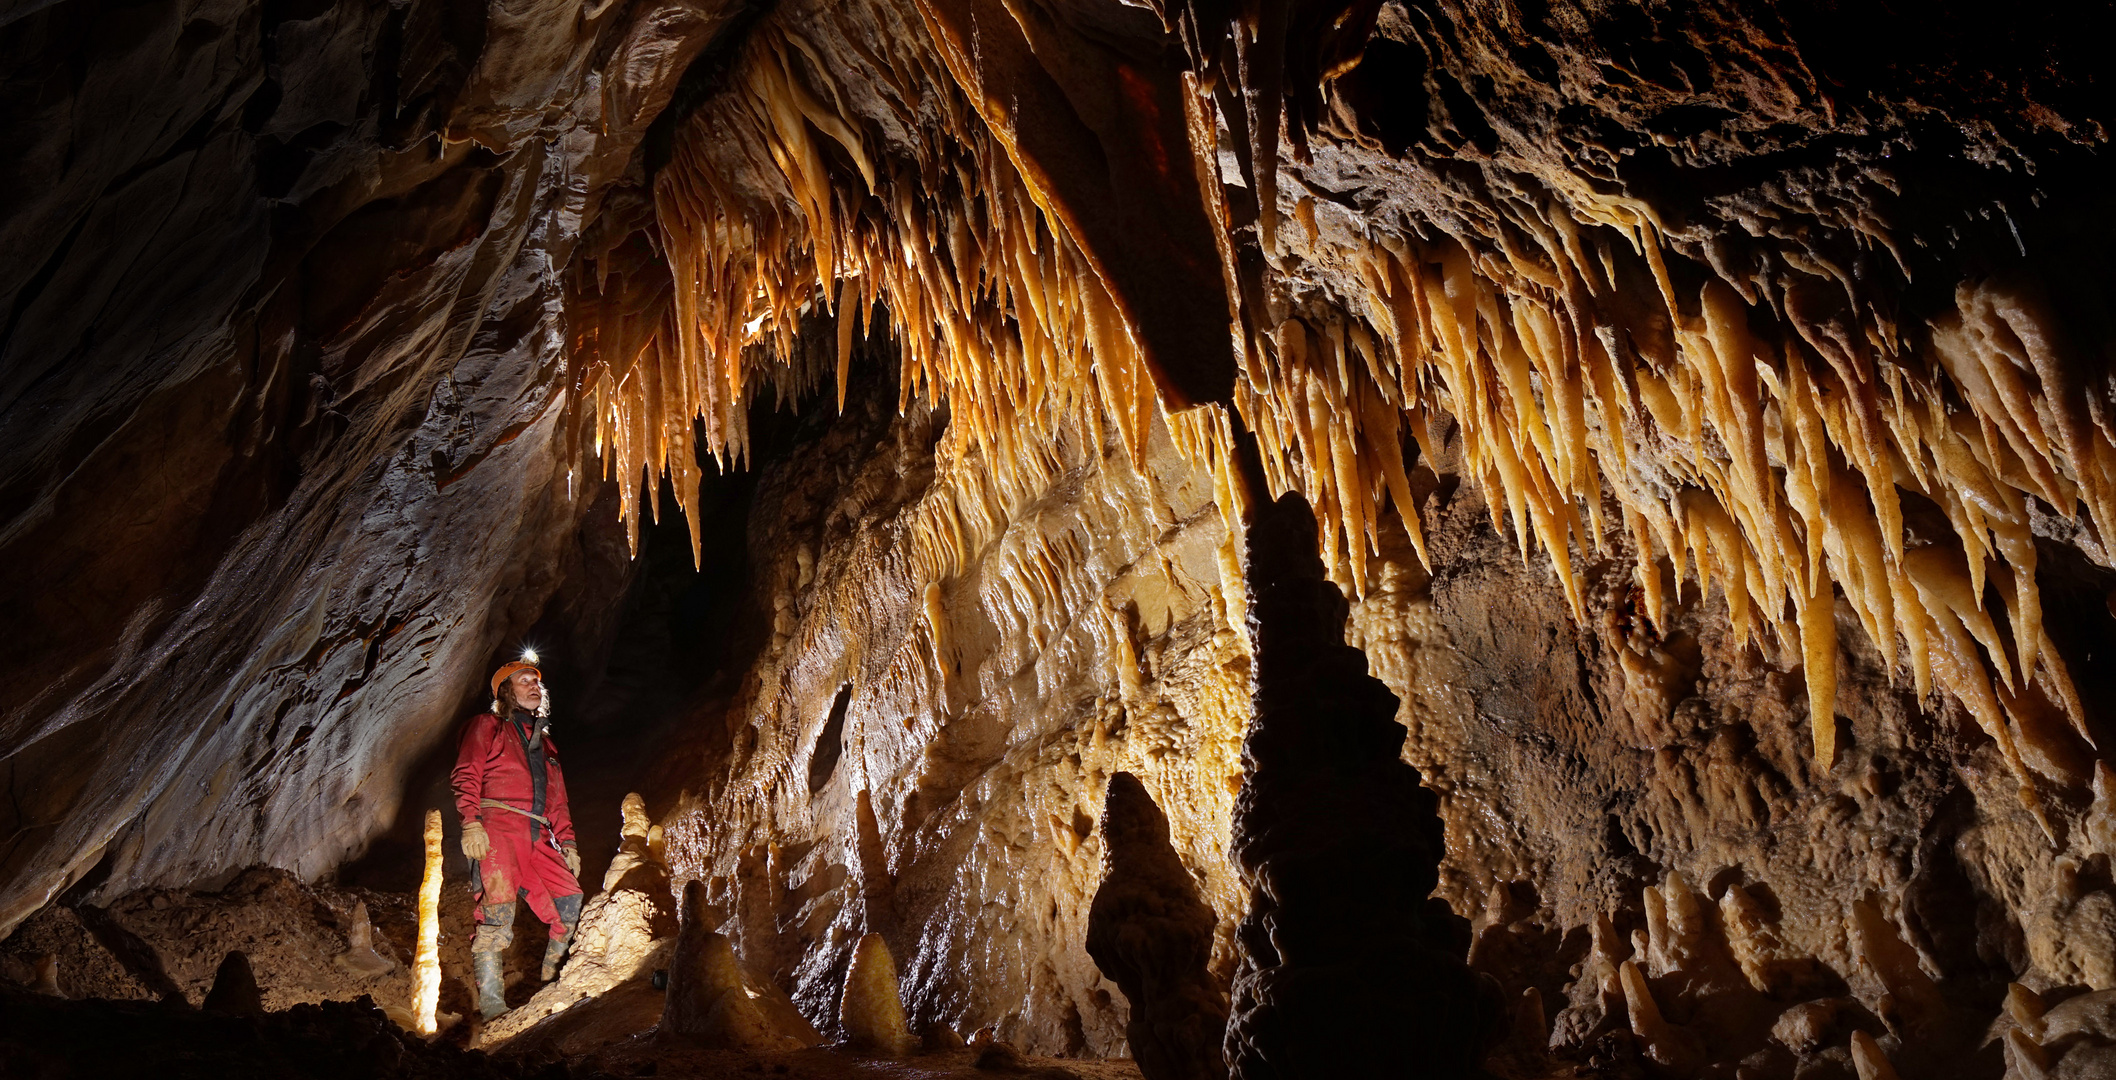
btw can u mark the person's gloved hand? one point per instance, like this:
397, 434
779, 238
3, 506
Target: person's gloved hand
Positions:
572, 859
476, 845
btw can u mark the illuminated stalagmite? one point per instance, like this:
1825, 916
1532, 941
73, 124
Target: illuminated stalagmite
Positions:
1705, 411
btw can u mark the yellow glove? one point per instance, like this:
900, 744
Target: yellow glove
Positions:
572, 860
476, 845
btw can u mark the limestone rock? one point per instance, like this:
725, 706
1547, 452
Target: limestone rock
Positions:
80, 965
871, 1012
707, 997
234, 989
360, 956
1705, 406
1152, 936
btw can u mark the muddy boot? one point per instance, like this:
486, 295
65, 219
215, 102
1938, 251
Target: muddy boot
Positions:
555, 956
492, 986
568, 920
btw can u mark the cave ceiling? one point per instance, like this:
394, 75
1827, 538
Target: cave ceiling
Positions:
1717, 391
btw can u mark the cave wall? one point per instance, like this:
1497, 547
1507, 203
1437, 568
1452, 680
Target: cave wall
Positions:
954, 672
284, 422
1706, 406
1615, 791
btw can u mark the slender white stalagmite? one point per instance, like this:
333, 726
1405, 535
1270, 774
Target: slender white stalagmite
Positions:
426, 964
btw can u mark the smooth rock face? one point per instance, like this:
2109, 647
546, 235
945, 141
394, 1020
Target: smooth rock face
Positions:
1150, 933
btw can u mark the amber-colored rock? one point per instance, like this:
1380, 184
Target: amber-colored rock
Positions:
872, 1012
360, 956
1706, 408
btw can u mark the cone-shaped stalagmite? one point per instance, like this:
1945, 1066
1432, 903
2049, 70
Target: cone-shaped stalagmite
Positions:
235, 989
1150, 934
871, 1012
47, 976
360, 956
706, 998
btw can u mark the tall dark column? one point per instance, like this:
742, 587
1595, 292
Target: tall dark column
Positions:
1151, 934
1347, 970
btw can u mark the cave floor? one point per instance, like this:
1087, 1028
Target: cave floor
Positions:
822, 1063
52, 1039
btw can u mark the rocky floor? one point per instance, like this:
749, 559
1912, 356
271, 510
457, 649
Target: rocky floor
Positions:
52, 1039
73, 977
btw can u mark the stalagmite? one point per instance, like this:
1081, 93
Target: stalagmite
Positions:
360, 956
426, 961
1868, 1059
2025, 1058
2025, 1006
234, 991
871, 1012
1149, 932
46, 979
1893, 964
2101, 815
1666, 1044
633, 845
707, 1000
1531, 1023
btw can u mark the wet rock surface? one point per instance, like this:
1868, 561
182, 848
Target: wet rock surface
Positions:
1707, 410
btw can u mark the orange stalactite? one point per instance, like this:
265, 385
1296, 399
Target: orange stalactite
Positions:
1768, 467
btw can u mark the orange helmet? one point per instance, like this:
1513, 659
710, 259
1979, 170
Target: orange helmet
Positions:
508, 670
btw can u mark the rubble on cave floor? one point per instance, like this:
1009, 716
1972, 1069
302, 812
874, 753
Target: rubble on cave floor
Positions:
300, 940
269, 976
43, 1037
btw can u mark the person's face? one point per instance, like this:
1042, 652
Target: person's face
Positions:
528, 689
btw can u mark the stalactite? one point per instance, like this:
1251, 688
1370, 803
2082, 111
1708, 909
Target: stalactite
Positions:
1760, 450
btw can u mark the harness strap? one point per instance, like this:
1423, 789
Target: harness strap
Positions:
498, 805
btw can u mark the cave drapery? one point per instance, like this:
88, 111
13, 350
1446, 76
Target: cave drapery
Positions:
1706, 410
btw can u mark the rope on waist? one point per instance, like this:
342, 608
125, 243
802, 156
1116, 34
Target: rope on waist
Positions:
550, 830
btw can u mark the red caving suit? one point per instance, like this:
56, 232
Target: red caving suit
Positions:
494, 764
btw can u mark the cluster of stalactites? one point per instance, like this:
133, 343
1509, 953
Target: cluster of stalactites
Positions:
994, 312
1769, 468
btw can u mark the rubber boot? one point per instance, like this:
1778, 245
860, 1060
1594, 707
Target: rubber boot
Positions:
492, 986
569, 919
555, 956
